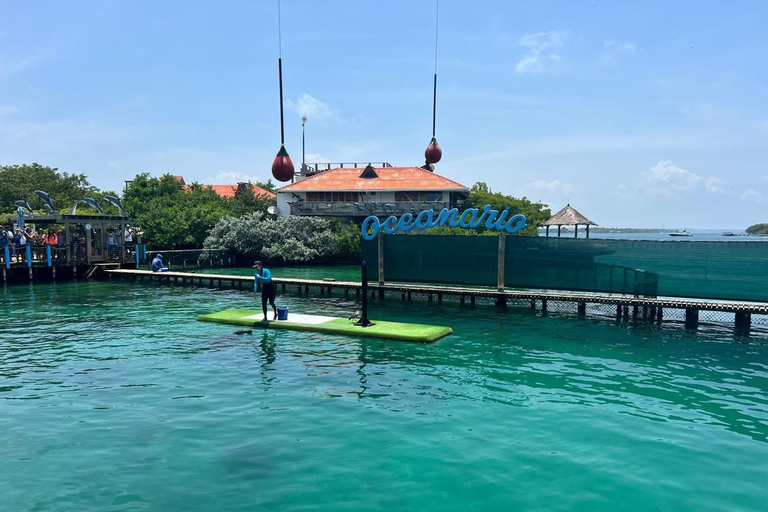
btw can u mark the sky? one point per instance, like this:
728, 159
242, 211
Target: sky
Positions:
641, 114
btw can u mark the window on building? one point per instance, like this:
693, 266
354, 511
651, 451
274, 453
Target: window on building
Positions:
332, 197
418, 196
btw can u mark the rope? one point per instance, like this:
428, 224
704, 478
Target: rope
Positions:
279, 33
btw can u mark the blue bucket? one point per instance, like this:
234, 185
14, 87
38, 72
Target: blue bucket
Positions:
282, 313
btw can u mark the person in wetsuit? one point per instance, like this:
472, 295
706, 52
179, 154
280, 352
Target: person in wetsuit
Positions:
263, 280
157, 264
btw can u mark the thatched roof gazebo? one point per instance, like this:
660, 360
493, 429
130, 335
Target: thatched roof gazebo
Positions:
568, 216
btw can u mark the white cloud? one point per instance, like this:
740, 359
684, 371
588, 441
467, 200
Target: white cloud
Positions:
539, 54
553, 187
316, 158
715, 185
621, 187
753, 195
230, 178
613, 50
312, 107
114, 165
667, 179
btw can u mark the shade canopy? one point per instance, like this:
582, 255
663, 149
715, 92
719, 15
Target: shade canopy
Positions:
568, 216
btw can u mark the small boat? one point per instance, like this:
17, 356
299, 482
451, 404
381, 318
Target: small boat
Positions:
729, 233
681, 233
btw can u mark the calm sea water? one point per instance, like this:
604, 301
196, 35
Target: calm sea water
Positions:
112, 398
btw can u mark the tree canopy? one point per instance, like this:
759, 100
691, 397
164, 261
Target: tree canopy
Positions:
758, 229
535, 213
21, 181
177, 216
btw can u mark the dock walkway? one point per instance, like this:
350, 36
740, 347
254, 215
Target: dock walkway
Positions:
621, 306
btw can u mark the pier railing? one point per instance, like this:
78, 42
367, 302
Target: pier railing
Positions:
183, 259
341, 209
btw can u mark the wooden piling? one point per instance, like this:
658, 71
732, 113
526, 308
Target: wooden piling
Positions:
743, 321
691, 318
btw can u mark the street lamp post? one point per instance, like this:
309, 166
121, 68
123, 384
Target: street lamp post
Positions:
303, 122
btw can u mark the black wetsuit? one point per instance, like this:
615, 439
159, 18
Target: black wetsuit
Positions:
268, 290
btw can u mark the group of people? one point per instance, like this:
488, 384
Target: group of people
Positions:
18, 240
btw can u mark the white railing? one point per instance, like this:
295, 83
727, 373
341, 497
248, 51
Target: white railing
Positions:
343, 209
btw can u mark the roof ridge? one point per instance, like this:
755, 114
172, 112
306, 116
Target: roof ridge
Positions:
385, 169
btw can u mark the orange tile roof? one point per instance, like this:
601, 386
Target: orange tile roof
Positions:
230, 190
348, 179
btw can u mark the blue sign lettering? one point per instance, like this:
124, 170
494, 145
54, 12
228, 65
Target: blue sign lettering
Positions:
469, 218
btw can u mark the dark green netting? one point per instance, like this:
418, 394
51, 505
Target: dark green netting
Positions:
437, 259
713, 270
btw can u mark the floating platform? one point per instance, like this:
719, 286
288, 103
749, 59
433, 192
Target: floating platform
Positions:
397, 331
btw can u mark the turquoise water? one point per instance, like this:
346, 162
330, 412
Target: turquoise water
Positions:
113, 398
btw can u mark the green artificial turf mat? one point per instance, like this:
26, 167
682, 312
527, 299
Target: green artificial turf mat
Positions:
385, 330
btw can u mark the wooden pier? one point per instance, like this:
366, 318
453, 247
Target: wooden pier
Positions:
622, 307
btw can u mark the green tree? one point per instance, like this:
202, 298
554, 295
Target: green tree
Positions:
246, 201
268, 185
172, 215
21, 181
535, 213
758, 229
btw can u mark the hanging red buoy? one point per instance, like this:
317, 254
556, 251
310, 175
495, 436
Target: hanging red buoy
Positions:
433, 153
282, 166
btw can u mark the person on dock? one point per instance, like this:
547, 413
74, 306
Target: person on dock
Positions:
111, 244
19, 244
3, 243
51, 238
263, 280
157, 264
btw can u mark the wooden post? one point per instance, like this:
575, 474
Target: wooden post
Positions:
743, 321
575, 231
122, 242
68, 241
103, 238
691, 318
582, 309
500, 263
587, 230
558, 230
88, 245
544, 305
381, 259
547, 230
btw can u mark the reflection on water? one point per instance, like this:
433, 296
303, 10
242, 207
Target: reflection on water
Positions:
112, 396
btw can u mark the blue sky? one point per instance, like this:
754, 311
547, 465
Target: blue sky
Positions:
640, 113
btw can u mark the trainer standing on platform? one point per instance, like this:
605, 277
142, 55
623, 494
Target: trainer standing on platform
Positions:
263, 280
